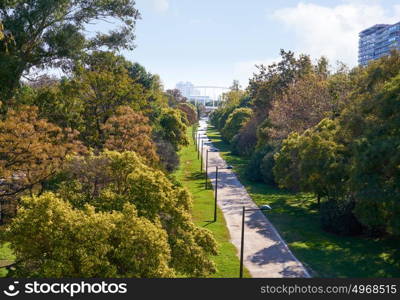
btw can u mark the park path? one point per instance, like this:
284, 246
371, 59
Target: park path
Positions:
266, 255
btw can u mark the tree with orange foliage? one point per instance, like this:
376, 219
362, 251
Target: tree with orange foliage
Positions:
128, 130
32, 150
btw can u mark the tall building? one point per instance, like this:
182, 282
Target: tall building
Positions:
378, 41
187, 89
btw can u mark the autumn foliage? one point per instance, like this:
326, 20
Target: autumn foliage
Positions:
128, 130
32, 150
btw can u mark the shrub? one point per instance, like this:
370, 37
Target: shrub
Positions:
110, 180
338, 217
253, 169
245, 141
236, 120
52, 239
266, 168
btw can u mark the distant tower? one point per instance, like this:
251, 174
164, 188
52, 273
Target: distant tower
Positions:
378, 41
187, 89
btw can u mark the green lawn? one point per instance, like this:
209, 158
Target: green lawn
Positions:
297, 220
6, 257
189, 175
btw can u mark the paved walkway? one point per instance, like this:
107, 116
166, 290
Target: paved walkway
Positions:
266, 255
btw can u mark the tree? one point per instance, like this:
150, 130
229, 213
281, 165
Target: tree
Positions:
314, 162
58, 102
303, 105
111, 180
375, 176
1, 31
50, 34
130, 131
169, 158
139, 74
52, 239
173, 128
190, 112
235, 122
235, 86
272, 80
175, 97
103, 84
32, 150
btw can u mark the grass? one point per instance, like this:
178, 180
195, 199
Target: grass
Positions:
296, 218
6, 257
189, 175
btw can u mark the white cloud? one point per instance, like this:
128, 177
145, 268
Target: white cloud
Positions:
160, 5
333, 31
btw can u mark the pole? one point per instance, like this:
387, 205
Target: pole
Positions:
201, 159
198, 146
242, 244
206, 183
216, 194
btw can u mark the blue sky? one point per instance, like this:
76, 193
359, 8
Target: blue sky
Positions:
213, 42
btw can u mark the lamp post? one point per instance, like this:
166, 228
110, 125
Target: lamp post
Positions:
216, 194
201, 156
198, 145
195, 139
244, 210
216, 189
206, 176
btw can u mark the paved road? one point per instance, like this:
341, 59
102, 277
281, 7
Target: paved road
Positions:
266, 255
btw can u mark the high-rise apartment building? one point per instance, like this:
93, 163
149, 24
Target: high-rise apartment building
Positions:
378, 41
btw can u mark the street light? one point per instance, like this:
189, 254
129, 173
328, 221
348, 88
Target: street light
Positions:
201, 159
244, 210
206, 176
198, 145
216, 189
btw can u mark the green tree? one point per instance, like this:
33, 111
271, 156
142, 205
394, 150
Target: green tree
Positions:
236, 120
314, 162
51, 34
110, 180
102, 84
172, 127
375, 176
52, 239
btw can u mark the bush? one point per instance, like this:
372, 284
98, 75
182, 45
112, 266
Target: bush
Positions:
52, 239
173, 128
253, 169
266, 168
169, 159
337, 217
245, 141
236, 120
111, 180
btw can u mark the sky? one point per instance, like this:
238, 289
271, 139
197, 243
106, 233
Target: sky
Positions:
213, 42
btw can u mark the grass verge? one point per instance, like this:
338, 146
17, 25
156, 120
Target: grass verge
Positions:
297, 219
189, 175
6, 257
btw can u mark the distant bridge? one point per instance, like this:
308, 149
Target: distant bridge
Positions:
210, 96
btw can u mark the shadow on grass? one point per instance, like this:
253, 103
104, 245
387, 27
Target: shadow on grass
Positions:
208, 223
296, 217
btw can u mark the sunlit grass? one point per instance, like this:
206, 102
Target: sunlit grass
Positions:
297, 219
6, 257
189, 175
